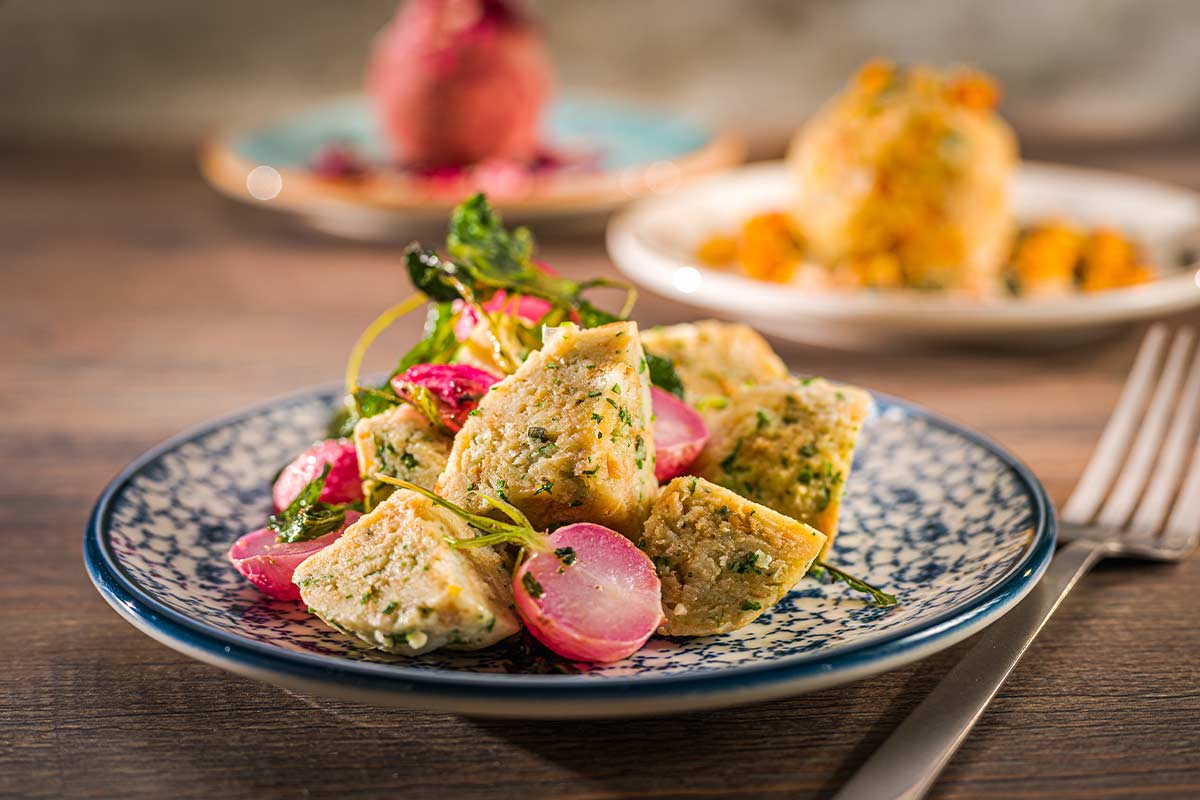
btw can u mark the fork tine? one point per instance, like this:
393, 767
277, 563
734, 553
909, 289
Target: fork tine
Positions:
1107, 456
1137, 466
1159, 493
1183, 527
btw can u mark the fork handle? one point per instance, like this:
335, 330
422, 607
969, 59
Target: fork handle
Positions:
907, 764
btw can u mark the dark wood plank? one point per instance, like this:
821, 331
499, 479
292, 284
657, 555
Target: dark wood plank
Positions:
136, 303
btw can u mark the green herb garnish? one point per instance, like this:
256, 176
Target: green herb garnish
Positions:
532, 586
307, 517
878, 596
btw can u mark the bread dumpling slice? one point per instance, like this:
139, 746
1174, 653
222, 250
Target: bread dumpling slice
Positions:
722, 559
715, 360
401, 443
567, 437
393, 581
788, 445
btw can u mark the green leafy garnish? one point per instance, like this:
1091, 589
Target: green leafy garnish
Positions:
438, 344
878, 596
663, 374
307, 517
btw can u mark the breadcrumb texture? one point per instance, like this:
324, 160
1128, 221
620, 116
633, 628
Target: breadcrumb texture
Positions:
715, 360
788, 445
903, 179
722, 559
393, 581
401, 443
567, 437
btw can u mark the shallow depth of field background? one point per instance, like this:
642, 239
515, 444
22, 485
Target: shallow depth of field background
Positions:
1076, 72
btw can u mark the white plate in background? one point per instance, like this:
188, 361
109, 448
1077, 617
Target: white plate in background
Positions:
653, 243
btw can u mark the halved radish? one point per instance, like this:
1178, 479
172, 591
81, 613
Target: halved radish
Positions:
269, 564
679, 435
593, 597
342, 484
585, 591
457, 388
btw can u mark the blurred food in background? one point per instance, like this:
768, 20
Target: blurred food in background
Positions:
456, 82
458, 90
903, 181
459, 97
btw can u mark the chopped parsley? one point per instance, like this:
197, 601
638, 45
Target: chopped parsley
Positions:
729, 463
750, 605
547, 487
747, 564
532, 586
566, 555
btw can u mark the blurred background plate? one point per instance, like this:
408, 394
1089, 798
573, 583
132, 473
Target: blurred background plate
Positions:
653, 243
637, 152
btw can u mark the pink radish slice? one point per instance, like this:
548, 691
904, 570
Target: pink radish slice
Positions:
601, 607
679, 435
457, 387
528, 309
269, 564
343, 484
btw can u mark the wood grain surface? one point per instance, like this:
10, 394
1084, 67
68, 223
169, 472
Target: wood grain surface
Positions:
135, 303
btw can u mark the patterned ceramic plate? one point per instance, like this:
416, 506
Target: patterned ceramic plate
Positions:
948, 521
624, 152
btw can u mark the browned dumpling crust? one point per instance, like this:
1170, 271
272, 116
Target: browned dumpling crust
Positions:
789, 445
722, 559
567, 437
394, 581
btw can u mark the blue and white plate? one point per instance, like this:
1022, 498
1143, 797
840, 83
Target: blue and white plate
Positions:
956, 527
629, 151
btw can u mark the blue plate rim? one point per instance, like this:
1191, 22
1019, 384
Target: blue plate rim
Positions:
953, 624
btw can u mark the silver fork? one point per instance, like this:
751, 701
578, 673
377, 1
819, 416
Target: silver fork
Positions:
1164, 526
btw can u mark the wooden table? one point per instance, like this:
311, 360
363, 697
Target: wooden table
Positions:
136, 303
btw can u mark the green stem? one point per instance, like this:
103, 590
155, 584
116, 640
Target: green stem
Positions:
494, 531
878, 596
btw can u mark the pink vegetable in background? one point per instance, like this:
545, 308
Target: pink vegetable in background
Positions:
457, 388
595, 597
679, 435
459, 82
341, 486
270, 564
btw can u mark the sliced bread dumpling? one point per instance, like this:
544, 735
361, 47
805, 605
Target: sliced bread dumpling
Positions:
394, 581
789, 445
567, 437
715, 360
401, 443
722, 559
